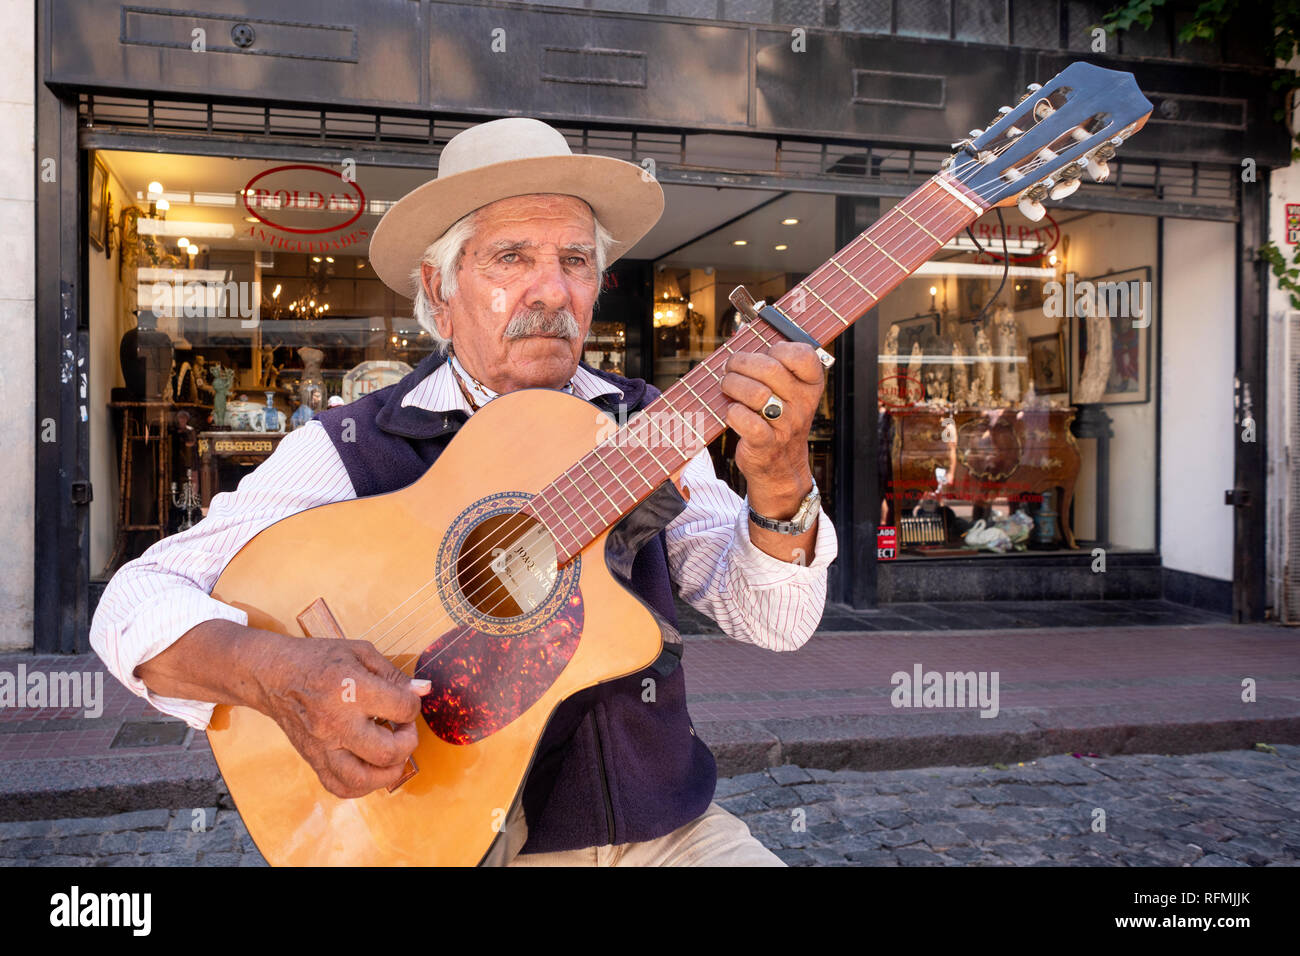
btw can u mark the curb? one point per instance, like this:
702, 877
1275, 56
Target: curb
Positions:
896, 742
55, 788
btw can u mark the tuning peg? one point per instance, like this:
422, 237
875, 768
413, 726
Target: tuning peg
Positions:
1034, 87
1097, 169
975, 133
1043, 109
1104, 152
1029, 208
1014, 131
1004, 110
1047, 154
1063, 189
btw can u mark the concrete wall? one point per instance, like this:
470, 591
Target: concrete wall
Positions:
1284, 186
17, 322
1197, 437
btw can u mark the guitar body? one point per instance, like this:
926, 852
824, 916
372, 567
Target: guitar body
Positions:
431, 600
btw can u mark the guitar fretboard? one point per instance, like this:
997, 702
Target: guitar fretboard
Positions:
622, 471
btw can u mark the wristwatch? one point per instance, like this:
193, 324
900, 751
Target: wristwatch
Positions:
803, 519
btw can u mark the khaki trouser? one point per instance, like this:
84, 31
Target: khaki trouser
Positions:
715, 839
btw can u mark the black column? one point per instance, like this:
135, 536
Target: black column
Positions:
62, 527
857, 492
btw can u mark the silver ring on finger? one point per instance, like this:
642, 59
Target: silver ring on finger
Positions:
773, 408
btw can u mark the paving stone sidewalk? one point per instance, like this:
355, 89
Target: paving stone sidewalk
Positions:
1233, 808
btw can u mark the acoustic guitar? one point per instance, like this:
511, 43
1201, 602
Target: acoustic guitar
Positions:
500, 558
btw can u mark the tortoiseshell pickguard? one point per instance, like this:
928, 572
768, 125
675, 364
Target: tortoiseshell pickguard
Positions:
481, 681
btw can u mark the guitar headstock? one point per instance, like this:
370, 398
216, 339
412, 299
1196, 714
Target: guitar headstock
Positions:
1041, 147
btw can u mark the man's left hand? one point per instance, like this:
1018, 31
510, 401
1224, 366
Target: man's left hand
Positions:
773, 455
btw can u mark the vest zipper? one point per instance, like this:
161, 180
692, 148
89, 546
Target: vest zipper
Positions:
604, 779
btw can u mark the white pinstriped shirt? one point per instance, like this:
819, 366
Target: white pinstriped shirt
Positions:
152, 601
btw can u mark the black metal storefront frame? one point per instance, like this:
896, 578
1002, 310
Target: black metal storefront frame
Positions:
62, 481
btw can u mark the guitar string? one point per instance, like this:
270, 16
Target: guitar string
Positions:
504, 534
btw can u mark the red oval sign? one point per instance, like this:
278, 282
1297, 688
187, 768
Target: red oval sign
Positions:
1048, 233
893, 391
293, 197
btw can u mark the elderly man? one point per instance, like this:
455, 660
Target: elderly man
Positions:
504, 254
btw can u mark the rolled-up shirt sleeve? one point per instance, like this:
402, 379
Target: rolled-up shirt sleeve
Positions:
151, 602
753, 596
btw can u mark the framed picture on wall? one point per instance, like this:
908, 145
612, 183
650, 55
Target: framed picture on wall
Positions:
916, 330
1126, 297
97, 222
1047, 363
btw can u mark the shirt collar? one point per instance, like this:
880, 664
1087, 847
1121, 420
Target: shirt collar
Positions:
440, 393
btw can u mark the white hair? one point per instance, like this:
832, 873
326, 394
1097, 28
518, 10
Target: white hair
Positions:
444, 254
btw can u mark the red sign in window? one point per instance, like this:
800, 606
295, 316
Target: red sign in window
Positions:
886, 544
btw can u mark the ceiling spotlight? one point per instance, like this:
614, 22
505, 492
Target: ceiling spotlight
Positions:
183, 242
251, 219
155, 190
162, 205
740, 242
327, 259
790, 222
781, 247
193, 249
276, 293
1051, 260
315, 258
935, 291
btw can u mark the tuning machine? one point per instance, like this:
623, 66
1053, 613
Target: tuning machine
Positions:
1030, 202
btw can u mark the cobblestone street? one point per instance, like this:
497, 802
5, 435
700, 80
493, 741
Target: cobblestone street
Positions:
1236, 808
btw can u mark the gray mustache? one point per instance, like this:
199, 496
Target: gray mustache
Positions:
560, 325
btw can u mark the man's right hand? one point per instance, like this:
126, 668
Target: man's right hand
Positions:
324, 693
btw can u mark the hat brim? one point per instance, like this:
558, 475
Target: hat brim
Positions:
625, 199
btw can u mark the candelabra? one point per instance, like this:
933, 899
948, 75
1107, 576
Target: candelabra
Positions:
187, 500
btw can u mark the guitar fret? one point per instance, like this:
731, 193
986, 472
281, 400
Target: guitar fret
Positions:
629, 491
886, 252
653, 456
628, 459
899, 209
687, 386
583, 466
814, 294
685, 421
835, 262
576, 513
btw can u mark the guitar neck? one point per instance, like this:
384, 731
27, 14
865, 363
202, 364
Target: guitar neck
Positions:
627, 466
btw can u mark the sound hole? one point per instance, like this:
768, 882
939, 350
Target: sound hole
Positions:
506, 566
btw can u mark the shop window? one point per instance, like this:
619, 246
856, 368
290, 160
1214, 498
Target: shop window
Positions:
1023, 419
230, 301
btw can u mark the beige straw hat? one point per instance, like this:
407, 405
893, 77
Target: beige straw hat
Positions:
503, 158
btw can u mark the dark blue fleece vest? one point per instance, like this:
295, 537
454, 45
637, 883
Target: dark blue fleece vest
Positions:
611, 767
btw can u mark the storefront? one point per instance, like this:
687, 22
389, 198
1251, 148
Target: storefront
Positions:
1002, 433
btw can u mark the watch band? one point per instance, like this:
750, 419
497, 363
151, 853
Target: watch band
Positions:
803, 519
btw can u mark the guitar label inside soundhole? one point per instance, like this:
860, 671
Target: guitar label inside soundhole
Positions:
519, 621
